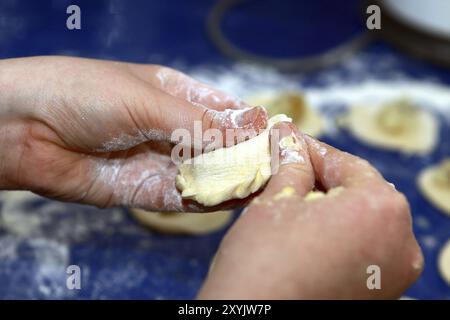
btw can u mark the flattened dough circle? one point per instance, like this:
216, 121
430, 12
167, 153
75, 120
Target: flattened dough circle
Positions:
434, 183
183, 223
228, 173
398, 125
444, 262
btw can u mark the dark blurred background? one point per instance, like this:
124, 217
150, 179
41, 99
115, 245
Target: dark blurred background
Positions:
147, 31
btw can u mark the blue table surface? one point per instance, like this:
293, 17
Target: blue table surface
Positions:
120, 259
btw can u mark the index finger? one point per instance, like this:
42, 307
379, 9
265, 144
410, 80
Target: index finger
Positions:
182, 86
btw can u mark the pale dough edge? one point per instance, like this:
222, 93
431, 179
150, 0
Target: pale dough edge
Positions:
444, 262
183, 223
360, 121
438, 197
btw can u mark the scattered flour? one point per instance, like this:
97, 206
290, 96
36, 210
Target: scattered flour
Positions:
26, 215
365, 79
36, 235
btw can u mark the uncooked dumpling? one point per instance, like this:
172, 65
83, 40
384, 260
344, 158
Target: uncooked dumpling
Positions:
228, 173
434, 182
294, 105
399, 125
444, 262
183, 223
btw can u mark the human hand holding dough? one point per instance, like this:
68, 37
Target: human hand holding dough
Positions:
283, 247
101, 133
228, 173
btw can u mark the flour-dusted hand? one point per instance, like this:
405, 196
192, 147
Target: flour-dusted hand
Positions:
98, 132
286, 246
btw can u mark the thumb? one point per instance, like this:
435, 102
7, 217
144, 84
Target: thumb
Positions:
168, 113
293, 172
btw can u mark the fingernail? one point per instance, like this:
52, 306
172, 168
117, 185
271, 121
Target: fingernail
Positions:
248, 118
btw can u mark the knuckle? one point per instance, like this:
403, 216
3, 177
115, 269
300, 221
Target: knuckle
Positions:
397, 202
393, 207
418, 262
414, 265
394, 201
296, 173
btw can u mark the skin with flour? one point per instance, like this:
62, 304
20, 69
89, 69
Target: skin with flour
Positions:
100, 134
317, 235
72, 129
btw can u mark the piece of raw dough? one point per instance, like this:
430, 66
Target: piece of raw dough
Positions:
294, 105
183, 223
444, 262
228, 173
399, 125
434, 183
314, 195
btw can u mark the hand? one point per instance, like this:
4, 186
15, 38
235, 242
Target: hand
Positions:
284, 247
98, 132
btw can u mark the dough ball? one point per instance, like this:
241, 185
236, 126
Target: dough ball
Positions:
183, 223
434, 183
294, 105
444, 263
399, 125
228, 173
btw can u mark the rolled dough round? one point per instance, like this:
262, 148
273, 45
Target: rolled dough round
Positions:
444, 262
434, 183
228, 173
294, 105
399, 125
183, 223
